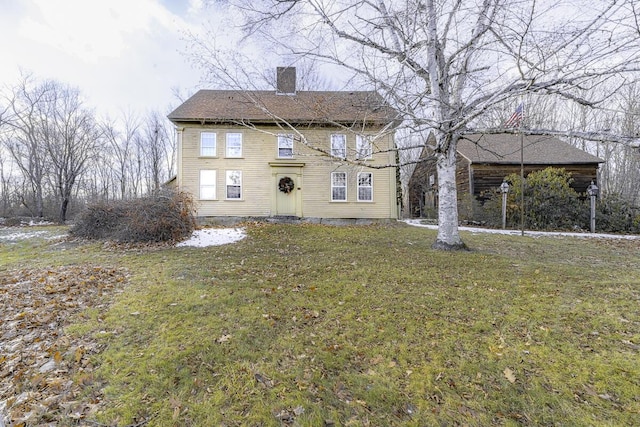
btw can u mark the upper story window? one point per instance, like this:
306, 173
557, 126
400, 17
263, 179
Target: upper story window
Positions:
285, 146
207, 184
364, 149
339, 145
234, 145
338, 186
208, 144
365, 187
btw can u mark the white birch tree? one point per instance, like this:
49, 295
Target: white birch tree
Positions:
444, 64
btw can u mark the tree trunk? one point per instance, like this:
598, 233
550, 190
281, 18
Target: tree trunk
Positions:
448, 234
39, 201
63, 210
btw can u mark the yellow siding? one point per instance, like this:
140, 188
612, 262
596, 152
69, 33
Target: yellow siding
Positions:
259, 164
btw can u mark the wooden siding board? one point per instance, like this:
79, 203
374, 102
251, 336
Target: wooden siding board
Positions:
257, 164
487, 177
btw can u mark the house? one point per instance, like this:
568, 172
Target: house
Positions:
484, 160
287, 153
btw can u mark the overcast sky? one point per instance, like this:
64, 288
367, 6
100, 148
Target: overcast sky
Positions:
121, 54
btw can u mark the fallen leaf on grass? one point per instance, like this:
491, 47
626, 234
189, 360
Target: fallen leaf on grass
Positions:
224, 338
508, 374
263, 380
35, 307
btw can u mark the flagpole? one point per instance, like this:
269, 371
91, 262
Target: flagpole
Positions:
521, 180
515, 121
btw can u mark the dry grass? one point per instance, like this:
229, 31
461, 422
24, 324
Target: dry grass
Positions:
312, 325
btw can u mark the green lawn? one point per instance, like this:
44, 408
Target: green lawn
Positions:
312, 325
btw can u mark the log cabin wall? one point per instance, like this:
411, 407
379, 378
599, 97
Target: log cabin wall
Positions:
490, 176
421, 192
477, 179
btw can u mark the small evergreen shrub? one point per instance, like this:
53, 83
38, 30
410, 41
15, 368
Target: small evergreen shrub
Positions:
617, 215
161, 217
549, 202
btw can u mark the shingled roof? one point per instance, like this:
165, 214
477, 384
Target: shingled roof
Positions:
225, 106
505, 149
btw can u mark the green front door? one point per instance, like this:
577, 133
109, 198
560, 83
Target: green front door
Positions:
286, 202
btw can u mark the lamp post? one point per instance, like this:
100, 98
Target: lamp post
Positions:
504, 189
592, 192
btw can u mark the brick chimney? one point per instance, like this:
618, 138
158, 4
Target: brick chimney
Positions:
286, 80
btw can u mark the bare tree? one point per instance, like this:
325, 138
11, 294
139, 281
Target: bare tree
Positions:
120, 137
5, 182
158, 150
71, 137
624, 167
25, 107
51, 138
444, 64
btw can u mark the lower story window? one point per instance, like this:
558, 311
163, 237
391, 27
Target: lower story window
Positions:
365, 187
234, 185
338, 186
207, 185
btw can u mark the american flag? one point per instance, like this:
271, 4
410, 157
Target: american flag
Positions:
516, 118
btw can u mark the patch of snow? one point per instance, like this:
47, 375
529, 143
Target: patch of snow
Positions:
418, 223
22, 235
214, 237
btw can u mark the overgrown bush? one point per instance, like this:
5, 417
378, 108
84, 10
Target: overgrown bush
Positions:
549, 202
615, 214
469, 208
161, 217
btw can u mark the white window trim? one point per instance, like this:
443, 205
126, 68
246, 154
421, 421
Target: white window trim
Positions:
340, 153
215, 144
346, 193
226, 185
213, 185
364, 186
226, 153
284, 136
364, 141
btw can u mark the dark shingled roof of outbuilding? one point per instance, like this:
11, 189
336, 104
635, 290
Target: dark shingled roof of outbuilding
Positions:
505, 149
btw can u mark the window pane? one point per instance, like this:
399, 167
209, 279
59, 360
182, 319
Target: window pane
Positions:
339, 193
285, 145
234, 184
234, 177
208, 184
234, 145
339, 145
339, 186
364, 179
285, 152
234, 192
365, 186
364, 194
363, 147
208, 144
338, 179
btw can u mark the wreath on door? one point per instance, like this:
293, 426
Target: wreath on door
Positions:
286, 185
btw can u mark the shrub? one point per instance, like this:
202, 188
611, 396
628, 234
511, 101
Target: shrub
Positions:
549, 202
164, 216
615, 214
